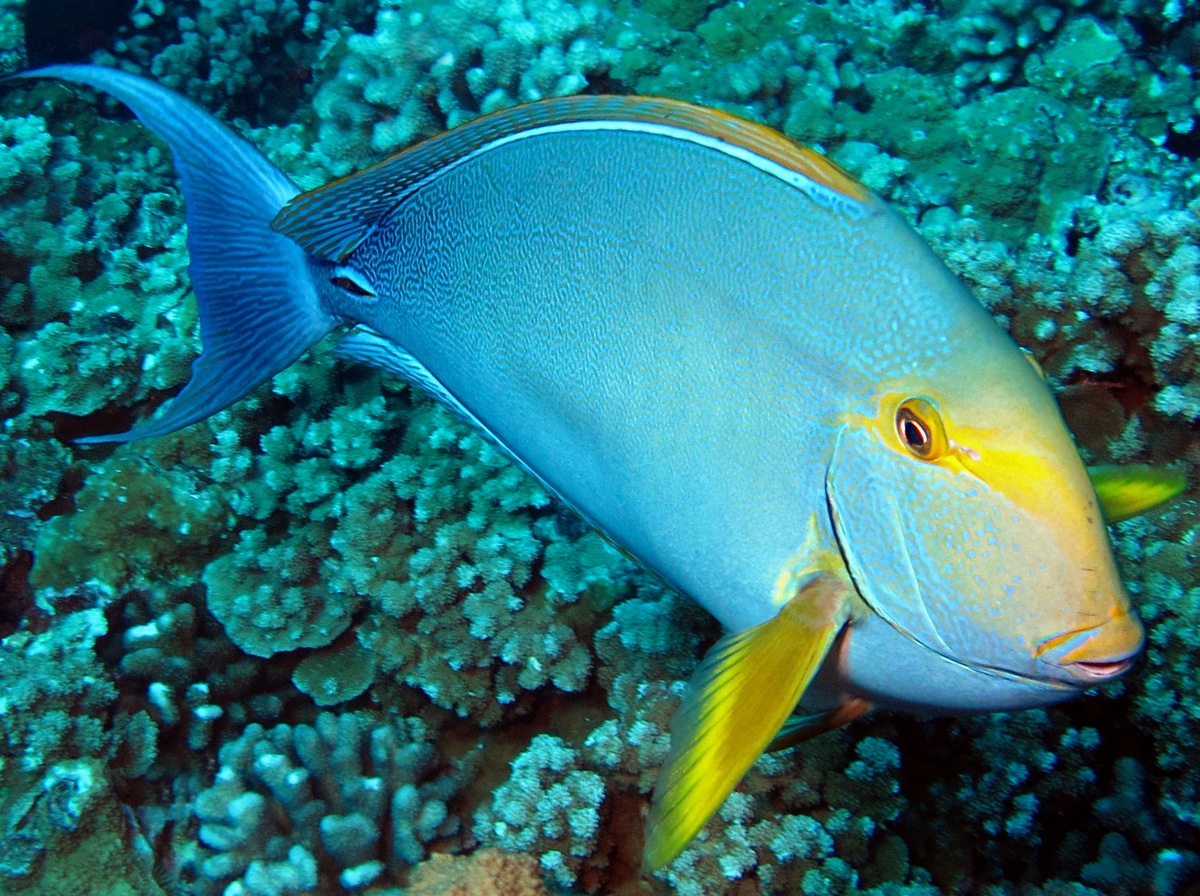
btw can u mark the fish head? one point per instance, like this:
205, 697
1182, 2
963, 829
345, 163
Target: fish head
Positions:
972, 532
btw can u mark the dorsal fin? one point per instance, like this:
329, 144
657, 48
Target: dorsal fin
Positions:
332, 220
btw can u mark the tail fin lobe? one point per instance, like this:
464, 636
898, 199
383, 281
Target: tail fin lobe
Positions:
259, 309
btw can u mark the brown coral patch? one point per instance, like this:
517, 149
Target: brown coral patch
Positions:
488, 872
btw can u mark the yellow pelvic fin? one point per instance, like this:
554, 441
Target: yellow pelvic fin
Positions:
743, 692
798, 729
1128, 491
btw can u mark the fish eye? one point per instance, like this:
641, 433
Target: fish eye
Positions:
913, 432
351, 281
920, 428
345, 283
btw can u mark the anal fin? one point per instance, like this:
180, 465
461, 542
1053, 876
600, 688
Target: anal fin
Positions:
739, 698
366, 346
798, 729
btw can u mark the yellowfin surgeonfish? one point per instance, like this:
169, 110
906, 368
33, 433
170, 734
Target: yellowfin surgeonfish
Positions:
725, 353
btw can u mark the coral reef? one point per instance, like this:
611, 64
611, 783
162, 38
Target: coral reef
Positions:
12, 36
486, 872
238, 58
337, 805
309, 642
432, 66
547, 803
63, 747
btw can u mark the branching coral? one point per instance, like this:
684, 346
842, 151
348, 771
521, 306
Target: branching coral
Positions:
161, 512
30, 473
546, 807
483, 625
340, 804
486, 872
436, 65
62, 743
12, 37
240, 58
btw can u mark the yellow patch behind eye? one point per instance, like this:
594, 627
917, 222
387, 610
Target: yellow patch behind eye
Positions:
1028, 477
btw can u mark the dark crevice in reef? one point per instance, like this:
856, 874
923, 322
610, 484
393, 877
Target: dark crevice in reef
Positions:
71, 30
1187, 144
16, 595
954, 845
69, 427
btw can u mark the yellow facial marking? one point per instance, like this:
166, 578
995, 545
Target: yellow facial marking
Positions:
1050, 643
1089, 649
922, 427
805, 563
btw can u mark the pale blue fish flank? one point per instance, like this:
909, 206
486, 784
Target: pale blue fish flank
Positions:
619, 418
642, 395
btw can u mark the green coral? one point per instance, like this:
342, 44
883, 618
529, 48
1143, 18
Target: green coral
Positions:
336, 674
63, 746
275, 596
31, 472
487, 628
157, 513
734, 31
12, 37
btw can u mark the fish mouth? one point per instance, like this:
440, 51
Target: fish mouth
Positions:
1095, 654
1101, 671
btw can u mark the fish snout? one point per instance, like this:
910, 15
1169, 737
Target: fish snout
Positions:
1094, 654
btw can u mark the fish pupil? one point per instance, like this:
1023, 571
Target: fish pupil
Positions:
351, 286
913, 432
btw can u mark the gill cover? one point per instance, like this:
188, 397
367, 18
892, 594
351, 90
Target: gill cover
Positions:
869, 516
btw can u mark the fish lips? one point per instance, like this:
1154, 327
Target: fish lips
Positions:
1094, 654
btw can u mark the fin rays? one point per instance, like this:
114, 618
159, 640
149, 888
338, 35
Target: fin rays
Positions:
258, 308
739, 698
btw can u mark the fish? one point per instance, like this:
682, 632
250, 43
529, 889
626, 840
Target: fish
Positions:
730, 357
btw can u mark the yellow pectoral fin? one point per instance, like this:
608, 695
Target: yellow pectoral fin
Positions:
743, 692
1127, 491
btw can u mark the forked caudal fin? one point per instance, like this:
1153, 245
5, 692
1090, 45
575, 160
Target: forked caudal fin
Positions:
259, 310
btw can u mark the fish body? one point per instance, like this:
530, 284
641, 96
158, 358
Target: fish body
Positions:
630, 344
734, 360
676, 338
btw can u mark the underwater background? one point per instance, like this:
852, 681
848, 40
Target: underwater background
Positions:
311, 642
